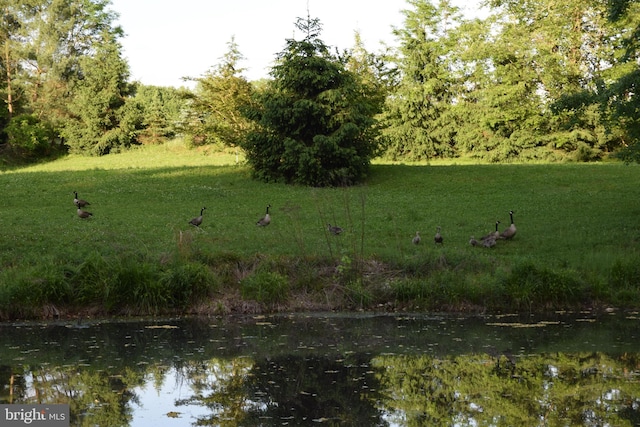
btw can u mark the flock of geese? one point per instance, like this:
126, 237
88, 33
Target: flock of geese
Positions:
196, 222
487, 241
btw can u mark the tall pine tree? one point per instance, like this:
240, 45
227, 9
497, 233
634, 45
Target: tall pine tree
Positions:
417, 118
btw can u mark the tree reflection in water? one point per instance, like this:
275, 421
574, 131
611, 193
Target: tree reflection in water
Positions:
293, 389
328, 371
585, 389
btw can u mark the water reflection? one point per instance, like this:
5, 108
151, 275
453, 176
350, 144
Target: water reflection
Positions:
330, 369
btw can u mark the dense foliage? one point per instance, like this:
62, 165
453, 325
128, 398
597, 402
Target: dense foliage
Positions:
156, 112
535, 79
487, 88
315, 118
215, 108
61, 65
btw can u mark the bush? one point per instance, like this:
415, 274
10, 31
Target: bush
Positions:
265, 287
135, 285
187, 283
29, 135
529, 285
90, 279
25, 291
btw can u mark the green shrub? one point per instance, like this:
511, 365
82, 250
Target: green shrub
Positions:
315, 119
127, 284
90, 279
134, 285
29, 135
187, 283
265, 287
625, 274
625, 297
528, 285
24, 291
149, 296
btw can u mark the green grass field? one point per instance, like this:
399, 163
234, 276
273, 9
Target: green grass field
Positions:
577, 242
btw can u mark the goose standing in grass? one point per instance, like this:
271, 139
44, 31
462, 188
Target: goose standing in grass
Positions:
510, 231
438, 237
334, 229
416, 239
489, 243
79, 202
84, 214
198, 220
265, 220
493, 235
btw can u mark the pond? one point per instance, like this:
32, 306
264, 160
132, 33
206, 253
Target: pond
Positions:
566, 369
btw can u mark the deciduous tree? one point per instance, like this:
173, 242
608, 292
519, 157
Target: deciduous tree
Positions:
216, 105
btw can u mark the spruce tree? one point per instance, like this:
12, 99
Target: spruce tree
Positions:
314, 119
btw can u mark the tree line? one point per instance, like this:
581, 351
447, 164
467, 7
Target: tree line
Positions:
534, 80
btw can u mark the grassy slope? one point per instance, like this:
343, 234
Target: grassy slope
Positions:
576, 219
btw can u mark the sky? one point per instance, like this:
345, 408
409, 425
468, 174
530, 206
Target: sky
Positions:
166, 40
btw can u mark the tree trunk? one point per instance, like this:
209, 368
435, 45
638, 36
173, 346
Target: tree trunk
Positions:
8, 68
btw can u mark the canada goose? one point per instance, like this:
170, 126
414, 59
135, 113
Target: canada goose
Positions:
438, 237
473, 241
416, 238
197, 220
265, 220
334, 229
84, 214
510, 231
79, 202
493, 235
489, 243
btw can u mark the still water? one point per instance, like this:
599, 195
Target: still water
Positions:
566, 369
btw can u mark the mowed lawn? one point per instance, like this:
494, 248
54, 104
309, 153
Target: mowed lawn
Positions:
577, 217
566, 214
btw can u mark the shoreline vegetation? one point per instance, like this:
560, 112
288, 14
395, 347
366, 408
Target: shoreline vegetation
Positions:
577, 244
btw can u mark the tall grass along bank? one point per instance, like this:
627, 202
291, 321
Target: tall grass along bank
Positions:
576, 244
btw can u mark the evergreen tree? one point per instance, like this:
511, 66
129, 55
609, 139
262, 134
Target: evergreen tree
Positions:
96, 126
564, 44
372, 70
12, 31
62, 34
315, 118
417, 117
54, 51
510, 104
160, 111
622, 93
